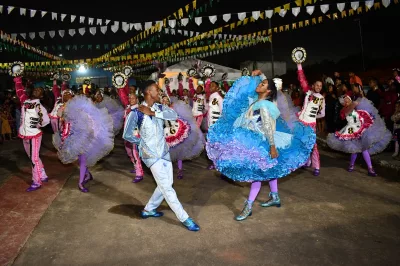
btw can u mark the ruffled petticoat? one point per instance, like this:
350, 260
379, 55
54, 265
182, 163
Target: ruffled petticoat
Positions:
193, 145
375, 138
243, 155
287, 109
115, 110
91, 132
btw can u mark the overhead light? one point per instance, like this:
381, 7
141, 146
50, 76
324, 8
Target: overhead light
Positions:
82, 68
60, 55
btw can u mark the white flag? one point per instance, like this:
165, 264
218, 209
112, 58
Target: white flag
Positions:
43, 13
81, 19
310, 9
125, 26
295, 11
184, 21
269, 13
73, 17
32, 35
14, 36
198, 20
226, 17
53, 16
61, 33
324, 8
103, 29
92, 30
23, 35
82, 31
41, 34
99, 21
63, 16
107, 21
22, 11
138, 26
255, 14
32, 12
241, 16
282, 13
115, 27
1, 9
355, 5
385, 3
369, 4
9, 9
148, 25
90, 21
171, 23
52, 33
213, 19
341, 6
72, 32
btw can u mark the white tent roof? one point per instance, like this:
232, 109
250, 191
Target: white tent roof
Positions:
183, 66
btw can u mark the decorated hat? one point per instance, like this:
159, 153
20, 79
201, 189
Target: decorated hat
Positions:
127, 71
16, 69
119, 80
299, 55
86, 82
66, 77
224, 76
208, 71
192, 72
245, 72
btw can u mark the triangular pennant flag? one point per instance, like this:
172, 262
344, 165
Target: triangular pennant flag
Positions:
53, 16
32, 12
241, 16
9, 9
295, 11
61, 33
386, 3
148, 25
282, 12
269, 13
340, 6
103, 29
92, 30
81, 31
107, 21
22, 11
32, 35
1, 9
41, 34
369, 3
185, 33
52, 33
226, 17
90, 20
72, 32
125, 26
310, 9
213, 19
14, 36
43, 13
355, 5
198, 20
138, 26
324, 8
99, 21
131, 26
63, 16
255, 14
115, 27
172, 23
23, 35
81, 19
73, 17
184, 21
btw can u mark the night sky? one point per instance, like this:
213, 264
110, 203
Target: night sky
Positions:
331, 40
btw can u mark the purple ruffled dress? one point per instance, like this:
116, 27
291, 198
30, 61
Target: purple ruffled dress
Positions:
116, 111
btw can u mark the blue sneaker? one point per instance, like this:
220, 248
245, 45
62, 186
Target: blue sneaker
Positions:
191, 225
153, 213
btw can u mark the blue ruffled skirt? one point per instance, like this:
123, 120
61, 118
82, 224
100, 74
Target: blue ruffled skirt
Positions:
243, 155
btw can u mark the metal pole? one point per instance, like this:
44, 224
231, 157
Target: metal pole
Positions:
272, 50
362, 44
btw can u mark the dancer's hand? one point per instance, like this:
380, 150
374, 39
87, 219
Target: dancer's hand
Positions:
273, 152
146, 110
256, 72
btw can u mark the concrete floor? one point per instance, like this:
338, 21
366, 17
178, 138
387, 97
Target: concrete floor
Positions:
335, 219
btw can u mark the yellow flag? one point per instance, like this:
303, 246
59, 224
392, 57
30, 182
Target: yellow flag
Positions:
180, 13
245, 21
344, 14
277, 9
320, 19
298, 2
187, 8
194, 4
301, 24
314, 21
287, 27
307, 22
286, 6
377, 5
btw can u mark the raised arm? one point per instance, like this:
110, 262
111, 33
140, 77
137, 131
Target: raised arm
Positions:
20, 90
302, 79
123, 96
347, 110
56, 90
192, 91
130, 127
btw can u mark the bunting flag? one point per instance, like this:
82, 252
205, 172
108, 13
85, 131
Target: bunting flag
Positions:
5, 37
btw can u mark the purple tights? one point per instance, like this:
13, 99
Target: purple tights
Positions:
366, 156
82, 168
180, 164
256, 186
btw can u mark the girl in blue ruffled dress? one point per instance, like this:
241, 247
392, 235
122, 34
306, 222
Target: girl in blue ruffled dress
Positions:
251, 142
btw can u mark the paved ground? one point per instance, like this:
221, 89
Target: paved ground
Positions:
335, 219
